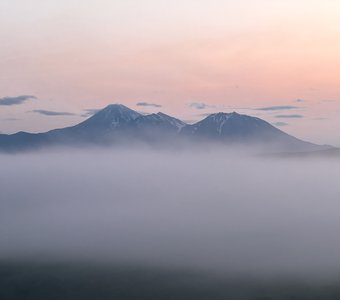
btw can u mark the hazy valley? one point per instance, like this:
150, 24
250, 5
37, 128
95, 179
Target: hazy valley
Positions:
219, 220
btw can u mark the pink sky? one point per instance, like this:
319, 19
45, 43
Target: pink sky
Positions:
230, 55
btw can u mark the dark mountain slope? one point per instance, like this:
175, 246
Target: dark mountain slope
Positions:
117, 123
234, 128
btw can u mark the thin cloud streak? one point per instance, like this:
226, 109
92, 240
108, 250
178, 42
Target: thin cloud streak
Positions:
200, 105
146, 104
280, 124
279, 107
289, 116
51, 113
8, 101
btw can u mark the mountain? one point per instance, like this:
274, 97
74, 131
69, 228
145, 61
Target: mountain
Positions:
117, 124
103, 127
156, 127
111, 117
234, 128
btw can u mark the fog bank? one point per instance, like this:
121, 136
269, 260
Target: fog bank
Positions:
214, 211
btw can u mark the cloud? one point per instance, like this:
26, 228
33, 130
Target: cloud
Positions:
90, 112
148, 104
289, 116
7, 101
52, 113
280, 107
299, 100
280, 124
200, 105
238, 231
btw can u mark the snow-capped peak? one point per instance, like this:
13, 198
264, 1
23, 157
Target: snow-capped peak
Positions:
112, 116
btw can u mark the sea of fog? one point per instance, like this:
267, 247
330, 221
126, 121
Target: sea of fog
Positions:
213, 210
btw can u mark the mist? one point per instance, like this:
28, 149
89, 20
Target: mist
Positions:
215, 211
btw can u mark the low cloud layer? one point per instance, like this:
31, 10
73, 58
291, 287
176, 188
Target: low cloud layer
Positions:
51, 113
7, 101
213, 211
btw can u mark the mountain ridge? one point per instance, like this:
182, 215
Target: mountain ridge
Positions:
116, 123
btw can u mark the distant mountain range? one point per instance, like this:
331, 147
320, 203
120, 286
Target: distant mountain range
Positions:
117, 124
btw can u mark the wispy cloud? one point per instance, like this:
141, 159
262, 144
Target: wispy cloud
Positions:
146, 104
280, 124
52, 113
299, 100
7, 101
200, 105
280, 107
289, 116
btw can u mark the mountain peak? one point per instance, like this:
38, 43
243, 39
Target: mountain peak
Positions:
112, 116
116, 106
219, 119
231, 126
223, 115
160, 119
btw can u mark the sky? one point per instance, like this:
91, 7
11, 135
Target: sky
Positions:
277, 60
